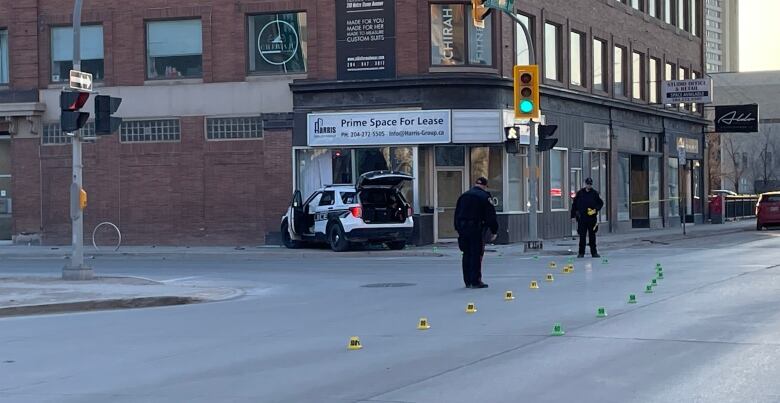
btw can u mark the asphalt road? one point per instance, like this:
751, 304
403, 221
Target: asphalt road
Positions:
710, 331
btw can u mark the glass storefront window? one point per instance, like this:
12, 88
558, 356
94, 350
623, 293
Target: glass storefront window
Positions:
624, 173
516, 199
697, 191
674, 190
487, 162
539, 183
558, 179
480, 43
314, 169
655, 187
596, 169
342, 167
424, 179
450, 156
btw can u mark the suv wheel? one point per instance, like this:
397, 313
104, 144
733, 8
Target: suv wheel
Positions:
286, 240
396, 245
338, 242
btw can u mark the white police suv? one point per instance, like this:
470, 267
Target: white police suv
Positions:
372, 211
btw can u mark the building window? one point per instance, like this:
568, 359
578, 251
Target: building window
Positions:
652, 8
234, 128
277, 43
174, 49
487, 162
516, 199
655, 187
53, 134
619, 71
637, 4
62, 52
668, 11
655, 72
552, 50
523, 54
4, 56
683, 75
558, 189
682, 22
624, 188
150, 131
576, 65
669, 74
596, 169
673, 188
694, 107
638, 75
694, 29
599, 61
450, 44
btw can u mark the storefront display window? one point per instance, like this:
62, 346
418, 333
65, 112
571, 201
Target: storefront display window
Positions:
558, 179
697, 192
655, 187
596, 169
516, 199
277, 43
624, 173
487, 162
674, 190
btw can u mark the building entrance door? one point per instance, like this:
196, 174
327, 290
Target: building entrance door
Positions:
449, 186
640, 192
5, 186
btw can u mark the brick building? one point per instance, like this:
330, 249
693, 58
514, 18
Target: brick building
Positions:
227, 109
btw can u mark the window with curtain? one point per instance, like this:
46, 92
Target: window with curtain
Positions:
599, 62
174, 49
619, 71
576, 53
558, 192
277, 43
4, 56
455, 41
552, 49
487, 162
522, 52
91, 43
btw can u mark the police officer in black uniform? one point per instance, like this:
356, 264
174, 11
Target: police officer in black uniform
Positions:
475, 221
585, 208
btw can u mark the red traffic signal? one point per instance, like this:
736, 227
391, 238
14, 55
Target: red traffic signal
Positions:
73, 101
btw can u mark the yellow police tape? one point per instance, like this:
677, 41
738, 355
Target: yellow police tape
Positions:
656, 201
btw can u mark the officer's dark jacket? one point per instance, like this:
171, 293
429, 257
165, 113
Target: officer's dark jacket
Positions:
585, 200
475, 212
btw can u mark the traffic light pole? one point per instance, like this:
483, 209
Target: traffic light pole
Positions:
77, 270
533, 232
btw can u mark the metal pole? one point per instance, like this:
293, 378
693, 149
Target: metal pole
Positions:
76, 270
533, 235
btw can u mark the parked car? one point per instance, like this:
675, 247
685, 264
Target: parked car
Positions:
372, 211
768, 210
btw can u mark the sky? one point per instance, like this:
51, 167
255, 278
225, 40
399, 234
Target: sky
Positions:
759, 35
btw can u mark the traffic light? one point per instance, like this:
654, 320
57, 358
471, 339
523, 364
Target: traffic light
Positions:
479, 12
71, 119
526, 92
546, 142
511, 140
105, 106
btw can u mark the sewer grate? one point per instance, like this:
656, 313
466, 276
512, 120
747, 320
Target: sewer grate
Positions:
388, 285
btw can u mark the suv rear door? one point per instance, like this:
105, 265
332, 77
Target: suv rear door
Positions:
382, 179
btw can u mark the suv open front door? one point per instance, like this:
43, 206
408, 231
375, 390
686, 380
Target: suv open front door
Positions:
297, 218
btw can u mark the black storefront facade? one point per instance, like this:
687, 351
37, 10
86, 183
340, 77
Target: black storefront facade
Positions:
630, 150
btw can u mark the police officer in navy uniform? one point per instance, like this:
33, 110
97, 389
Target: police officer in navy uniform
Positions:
585, 208
475, 221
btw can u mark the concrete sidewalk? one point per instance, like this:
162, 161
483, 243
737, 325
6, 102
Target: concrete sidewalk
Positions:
607, 241
45, 295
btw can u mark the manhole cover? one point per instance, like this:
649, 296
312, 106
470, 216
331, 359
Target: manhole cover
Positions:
388, 285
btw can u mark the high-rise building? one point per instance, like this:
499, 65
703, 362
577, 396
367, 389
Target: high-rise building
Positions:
722, 35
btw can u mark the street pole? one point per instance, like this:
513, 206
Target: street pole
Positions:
77, 270
533, 232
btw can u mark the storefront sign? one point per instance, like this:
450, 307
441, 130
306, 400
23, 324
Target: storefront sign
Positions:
365, 46
379, 128
697, 90
736, 118
279, 43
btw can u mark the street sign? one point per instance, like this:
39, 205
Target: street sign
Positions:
503, 5
698, 91
736, 118
80, 80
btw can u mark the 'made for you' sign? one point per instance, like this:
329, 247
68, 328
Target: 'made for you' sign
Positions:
379, 128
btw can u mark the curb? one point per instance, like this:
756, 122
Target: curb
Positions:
97, 305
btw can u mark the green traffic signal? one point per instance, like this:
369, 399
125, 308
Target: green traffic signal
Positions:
526, 106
